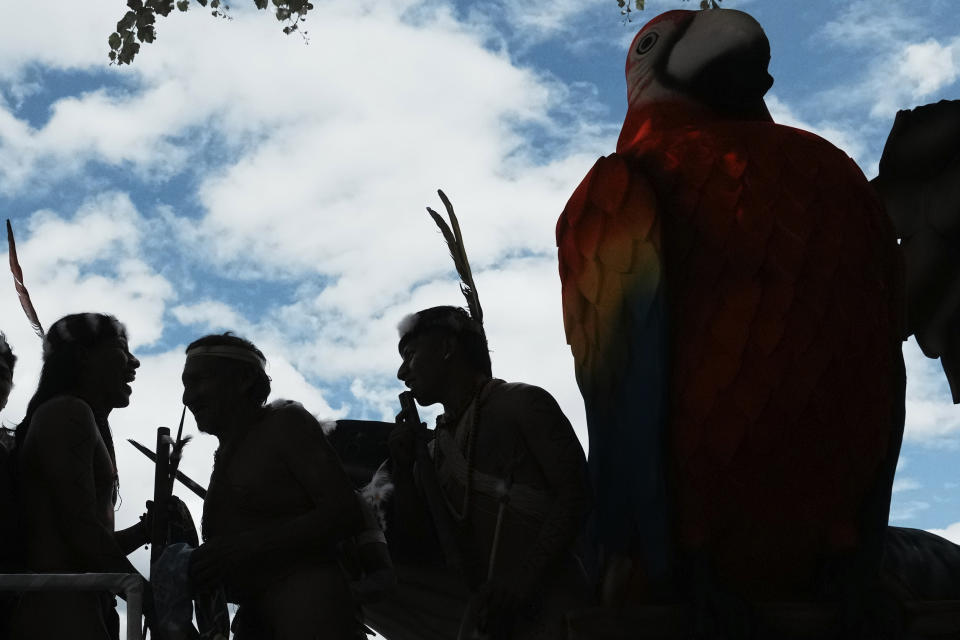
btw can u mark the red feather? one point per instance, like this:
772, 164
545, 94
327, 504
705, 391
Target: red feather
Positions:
22, 292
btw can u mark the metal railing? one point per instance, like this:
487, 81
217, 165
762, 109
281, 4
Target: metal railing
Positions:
128, 584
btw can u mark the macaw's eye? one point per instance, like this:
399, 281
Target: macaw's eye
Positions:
646, 43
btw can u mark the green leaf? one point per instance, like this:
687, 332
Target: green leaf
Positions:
162, 7
214, 4
145, 19
128, 52
114, 41
261, 4
136, 5
128, 20
183, 5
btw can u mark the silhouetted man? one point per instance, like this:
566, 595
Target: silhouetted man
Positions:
277, 504
67, 477
513, 480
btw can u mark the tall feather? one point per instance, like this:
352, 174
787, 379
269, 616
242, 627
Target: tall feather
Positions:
459, 254
22, 292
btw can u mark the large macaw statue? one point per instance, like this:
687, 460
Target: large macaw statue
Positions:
732, 296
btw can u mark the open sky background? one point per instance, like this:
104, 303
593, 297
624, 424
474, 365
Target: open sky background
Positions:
236, 178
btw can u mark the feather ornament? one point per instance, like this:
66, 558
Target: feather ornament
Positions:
22, 292
459, 254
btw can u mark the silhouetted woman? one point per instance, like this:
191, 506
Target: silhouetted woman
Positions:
67, 477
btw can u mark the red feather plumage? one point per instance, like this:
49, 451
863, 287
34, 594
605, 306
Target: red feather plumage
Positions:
22, 292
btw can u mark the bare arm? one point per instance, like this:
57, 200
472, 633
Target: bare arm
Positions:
132, 537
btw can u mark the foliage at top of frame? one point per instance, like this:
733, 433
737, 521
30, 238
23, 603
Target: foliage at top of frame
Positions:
627, 7
138, 24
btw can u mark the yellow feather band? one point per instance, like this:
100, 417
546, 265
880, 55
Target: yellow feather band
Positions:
225, 351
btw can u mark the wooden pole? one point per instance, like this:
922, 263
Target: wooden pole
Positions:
161, 494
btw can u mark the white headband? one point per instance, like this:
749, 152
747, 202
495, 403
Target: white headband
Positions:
226, 351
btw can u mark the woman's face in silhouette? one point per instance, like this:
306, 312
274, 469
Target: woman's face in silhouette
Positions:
111, 368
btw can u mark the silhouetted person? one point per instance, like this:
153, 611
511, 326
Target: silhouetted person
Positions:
496, 444
67, 477
7, 361
9, 556
277, 504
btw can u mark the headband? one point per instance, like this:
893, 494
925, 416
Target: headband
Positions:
226, 351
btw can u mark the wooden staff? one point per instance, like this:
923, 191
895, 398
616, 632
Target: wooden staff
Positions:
162, 487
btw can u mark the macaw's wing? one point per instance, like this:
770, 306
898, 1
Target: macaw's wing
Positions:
919, 183
614, 313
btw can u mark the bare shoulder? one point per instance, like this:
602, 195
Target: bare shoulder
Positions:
522, 402
293, 421
63, 418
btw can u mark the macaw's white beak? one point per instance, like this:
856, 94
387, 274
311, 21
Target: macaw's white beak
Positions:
721, 59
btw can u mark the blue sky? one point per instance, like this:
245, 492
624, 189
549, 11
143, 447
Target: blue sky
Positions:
235, 178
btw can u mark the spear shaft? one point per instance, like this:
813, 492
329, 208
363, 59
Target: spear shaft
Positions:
161, 494
186, 480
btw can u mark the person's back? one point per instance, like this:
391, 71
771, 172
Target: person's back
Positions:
66, 487
254, 487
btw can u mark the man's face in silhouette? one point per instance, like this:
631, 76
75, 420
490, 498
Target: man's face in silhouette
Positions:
6, 382
426, 365
211, 392
114, 368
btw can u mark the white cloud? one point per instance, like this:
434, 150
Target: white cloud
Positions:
863, 25
903, 75
211, 315
929, 66
906, 484
932, 418
61, 36
903, 511
951, 532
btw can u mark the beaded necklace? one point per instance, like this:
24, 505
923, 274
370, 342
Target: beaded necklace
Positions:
473, 409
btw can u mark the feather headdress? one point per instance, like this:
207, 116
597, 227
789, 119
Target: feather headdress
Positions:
459, 254
22, 292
